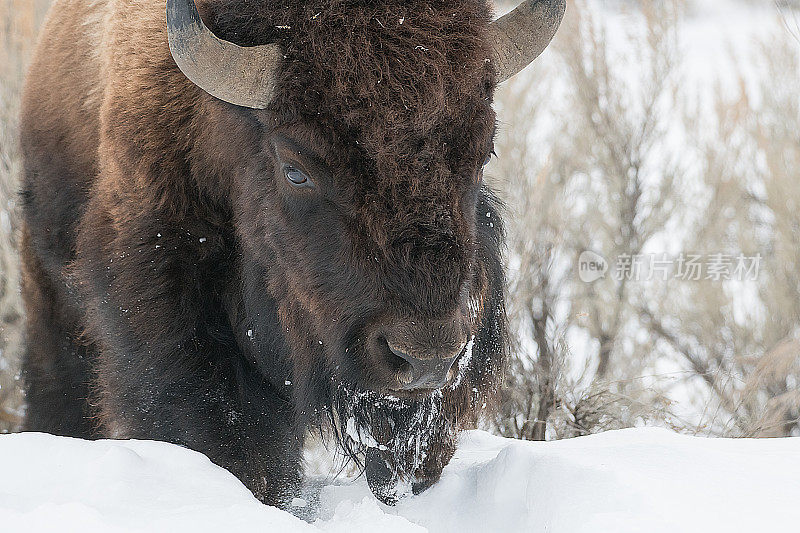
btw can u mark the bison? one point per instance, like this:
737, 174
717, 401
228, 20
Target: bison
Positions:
245, 220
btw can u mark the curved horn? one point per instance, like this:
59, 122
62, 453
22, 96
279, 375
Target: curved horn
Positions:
520, 36
243, 76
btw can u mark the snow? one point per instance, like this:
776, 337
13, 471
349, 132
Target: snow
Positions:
61, 484
631, 480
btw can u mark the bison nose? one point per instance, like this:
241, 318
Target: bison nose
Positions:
426, 372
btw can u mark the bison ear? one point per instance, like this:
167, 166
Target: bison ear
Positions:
243, 76
520, 36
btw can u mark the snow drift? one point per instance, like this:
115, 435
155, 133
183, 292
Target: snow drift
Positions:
632, 480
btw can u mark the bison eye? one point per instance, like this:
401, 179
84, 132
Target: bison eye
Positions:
296, 177
489, 157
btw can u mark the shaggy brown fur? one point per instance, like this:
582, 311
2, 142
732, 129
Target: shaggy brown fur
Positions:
179, 288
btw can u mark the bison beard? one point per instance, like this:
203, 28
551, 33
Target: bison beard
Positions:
405, 442
178, 287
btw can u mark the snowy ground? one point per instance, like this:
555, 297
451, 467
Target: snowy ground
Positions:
632, 480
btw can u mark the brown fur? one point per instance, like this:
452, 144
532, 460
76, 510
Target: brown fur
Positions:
179, 288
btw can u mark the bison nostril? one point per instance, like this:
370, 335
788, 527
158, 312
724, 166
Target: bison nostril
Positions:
398, 362
400, 353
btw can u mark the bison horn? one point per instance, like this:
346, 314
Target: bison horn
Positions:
243, 76
520, 36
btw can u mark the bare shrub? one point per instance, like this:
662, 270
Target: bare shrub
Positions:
19, 21
596, 183
618, 168
743, 339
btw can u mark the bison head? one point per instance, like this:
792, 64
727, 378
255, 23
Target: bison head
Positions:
362, 205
